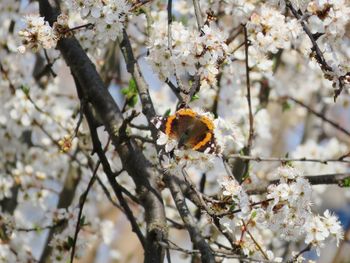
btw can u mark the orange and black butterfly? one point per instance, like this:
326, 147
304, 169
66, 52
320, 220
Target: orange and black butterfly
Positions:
190, 129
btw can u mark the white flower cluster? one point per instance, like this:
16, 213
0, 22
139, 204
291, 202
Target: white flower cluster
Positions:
38, 33
286, 212
6, 184
228, 136
236, 191
289, 211
329, 17
108, 16
240, 9
192, 52
269, 30
290, 206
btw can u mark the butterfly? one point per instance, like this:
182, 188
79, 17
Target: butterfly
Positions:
190, 129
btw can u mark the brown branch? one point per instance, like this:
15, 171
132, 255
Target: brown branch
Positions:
340, 179
108, 171
82, 201
134, 69
285, 159
295, 258
87, 26
217, 252
251, 117
39, 228
49, 64
203, 206
139, 4
318, 114
187, 218
133, 160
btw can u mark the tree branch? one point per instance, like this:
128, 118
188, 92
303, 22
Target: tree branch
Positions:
285, 160
320, 115
133, 160
187, 218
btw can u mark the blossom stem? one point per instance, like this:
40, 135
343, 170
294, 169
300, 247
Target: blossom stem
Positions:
257, 244
88, 26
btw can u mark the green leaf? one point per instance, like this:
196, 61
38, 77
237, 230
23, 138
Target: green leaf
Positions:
25, 89
233, 206
346, 182
133, 101
70, 242
167, 113
124, 91
132, 85
82, 221
130, 93
194, 97
38, 229
286, 106
287, 163
254, 214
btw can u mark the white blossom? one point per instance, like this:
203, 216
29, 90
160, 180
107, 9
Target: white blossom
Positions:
38, 33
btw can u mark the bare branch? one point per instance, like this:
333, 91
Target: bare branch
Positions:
187, 218
82, 201
285, 159
320, 115
251, 117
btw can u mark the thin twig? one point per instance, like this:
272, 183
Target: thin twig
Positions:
257, 245
107, 193
141, 138
232, 35
80, 120
39, 228
214, 216
218, 253
88, 26
340, 179
49, 64
295, 258
82, 201
139, 127
320, 115
285, 159
187, 218
251, 117
139, 4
